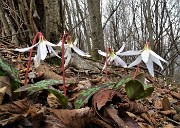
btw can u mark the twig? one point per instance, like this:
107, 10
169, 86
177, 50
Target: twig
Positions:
14, 34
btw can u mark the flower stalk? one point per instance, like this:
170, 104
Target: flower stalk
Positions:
63, 70
107, 50
30, 55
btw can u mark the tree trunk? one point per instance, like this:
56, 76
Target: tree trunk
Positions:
4, 21
96, 27
52, 19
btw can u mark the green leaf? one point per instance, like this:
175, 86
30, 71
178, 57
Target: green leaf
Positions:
9, 70
135, 90
62, 99
46, 85
39, 85
86, 94
141, 77
122, 81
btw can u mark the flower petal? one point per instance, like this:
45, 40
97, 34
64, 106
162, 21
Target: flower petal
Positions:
136, 62
37, 61
145, 56
81, 53
49, 43
121, 49
119, 61
67, 60
156, 60
52, 50
129, 53
149, 65
43, 50
68, 51
25, 49
101, 53
60, 43
157, 56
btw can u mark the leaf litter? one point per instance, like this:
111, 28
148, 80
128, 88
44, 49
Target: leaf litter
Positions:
95, 104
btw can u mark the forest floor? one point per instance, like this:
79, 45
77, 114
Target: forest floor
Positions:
91, 100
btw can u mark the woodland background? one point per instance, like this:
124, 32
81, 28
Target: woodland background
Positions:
98, 24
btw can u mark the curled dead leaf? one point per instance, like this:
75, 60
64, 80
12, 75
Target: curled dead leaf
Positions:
76, 118
5, 82
168, 112
2, 93
53, 101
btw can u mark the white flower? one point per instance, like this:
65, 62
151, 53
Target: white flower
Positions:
44, 47
113, 57
68, 50
148, 57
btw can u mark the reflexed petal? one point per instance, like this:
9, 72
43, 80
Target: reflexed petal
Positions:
51, 49
119, 61
121, 49
60, 43
101, 53
68, 51
136, 62
145, 56
25, 49
48, 43
67, 60
37, 61
157, 56
149, 65
129, 53
156, 60
81, 53
43, 50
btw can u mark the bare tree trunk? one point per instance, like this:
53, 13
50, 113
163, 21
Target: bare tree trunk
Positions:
96, 27
52, 19
3, 19
84, 26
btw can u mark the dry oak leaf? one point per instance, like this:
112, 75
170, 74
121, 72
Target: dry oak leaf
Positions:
76, 118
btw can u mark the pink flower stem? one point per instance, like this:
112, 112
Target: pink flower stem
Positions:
30, 55
137, 68
106, 80
63, 70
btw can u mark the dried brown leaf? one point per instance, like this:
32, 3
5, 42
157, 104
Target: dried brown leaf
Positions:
5, 82
2, 93
76, 118
166, 104
13, 111
168, 112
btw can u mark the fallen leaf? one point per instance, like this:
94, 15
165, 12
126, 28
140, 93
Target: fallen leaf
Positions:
76, 118
13, 111
5, 82
166, 104
168, 112
2, 93
52, 101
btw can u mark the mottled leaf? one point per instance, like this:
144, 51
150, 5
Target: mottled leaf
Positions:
86, 94
9, 70
39, 85
47, 85
135, 90
122, 81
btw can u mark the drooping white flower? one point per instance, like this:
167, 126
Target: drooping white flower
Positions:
68, 49
44, 47
113, 57
147, 56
